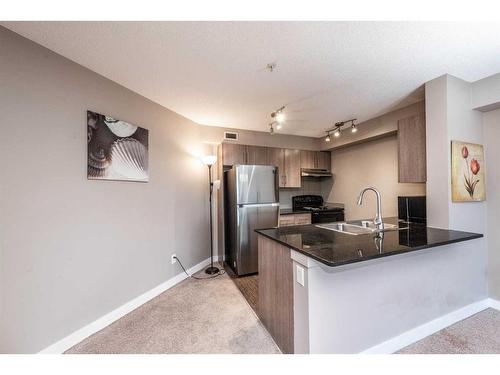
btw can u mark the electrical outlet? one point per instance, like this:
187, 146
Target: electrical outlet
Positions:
300, 275
173, 259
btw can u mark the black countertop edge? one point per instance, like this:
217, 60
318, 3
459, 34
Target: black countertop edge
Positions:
470, 236
391, 253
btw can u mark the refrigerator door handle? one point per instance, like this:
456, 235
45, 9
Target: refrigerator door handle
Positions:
259, 205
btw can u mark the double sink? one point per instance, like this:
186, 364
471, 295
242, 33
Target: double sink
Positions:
359, 227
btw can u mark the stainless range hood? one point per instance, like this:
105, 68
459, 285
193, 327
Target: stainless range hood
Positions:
305, 172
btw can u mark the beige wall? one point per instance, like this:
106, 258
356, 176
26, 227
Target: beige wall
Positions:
249, 137
375, 127
491, 129
369, 164
72, 250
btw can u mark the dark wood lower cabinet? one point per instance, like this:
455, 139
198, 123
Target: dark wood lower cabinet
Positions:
275, 307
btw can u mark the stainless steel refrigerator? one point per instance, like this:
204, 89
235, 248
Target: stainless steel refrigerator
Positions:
251, 202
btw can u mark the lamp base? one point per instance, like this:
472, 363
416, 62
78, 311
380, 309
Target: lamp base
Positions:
212, 270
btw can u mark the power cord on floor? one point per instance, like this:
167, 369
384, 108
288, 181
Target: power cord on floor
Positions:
221, 272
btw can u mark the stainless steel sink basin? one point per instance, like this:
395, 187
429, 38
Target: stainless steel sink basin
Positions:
346, 228
364, 227
387, 227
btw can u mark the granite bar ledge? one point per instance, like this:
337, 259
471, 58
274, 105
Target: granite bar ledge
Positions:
336, 249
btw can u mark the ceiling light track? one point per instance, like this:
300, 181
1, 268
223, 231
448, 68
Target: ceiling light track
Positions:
339, 127
278, 118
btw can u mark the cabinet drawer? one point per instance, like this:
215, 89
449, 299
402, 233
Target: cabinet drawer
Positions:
302, 219
286, 220
294, 219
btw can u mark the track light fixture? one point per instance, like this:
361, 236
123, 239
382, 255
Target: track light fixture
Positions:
278, 118
338, 127
278, 115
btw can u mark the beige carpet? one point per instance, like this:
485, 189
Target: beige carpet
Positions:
196, 316
478, 334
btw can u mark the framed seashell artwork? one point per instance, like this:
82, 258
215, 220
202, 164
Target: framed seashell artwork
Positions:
467, 172
116, 150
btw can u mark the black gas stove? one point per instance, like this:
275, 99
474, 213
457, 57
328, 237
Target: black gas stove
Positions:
320, 213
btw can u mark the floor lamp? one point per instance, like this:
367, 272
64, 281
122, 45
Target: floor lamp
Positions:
210, 160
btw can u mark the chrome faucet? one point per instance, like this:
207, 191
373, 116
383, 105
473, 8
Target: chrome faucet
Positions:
378, 216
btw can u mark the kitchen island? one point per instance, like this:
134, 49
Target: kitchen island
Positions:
326, 291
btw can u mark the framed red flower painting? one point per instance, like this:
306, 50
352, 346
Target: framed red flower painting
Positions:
467, 172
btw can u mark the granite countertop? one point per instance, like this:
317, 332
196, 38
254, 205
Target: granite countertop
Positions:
336, 249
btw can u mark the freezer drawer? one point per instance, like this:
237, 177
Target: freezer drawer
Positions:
249, 218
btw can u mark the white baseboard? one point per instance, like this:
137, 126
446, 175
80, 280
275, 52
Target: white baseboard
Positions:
494, 304
409, 337
71, 340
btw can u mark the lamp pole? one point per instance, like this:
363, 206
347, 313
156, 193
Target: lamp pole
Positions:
211, 270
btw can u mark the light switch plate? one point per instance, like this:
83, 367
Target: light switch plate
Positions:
300, 275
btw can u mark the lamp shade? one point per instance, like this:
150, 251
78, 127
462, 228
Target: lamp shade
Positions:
209, 159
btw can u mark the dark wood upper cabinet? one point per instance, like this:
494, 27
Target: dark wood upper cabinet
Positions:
324, 160
315, 159
276, 157
288, 161
292, 168
307, 159
233, 153
257, 155
411, 149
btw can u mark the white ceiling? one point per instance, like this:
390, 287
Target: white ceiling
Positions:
214, 72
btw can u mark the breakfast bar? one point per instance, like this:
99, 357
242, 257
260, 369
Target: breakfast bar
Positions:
352, 289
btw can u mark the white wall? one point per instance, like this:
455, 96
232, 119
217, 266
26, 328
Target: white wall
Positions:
375, 127
464, 124
249, 137
491, 124
375, 164
383, 298
485, 94
438, 160
72, 250
449, 116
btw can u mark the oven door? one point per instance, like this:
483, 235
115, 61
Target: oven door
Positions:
327, 216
